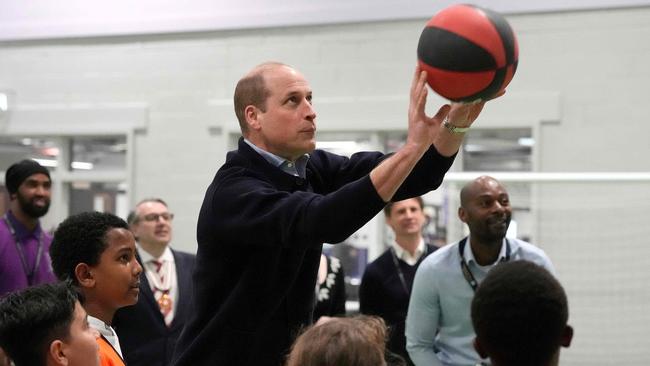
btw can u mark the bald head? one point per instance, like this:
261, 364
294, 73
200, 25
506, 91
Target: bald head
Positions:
473, 188
252, 90
485, 208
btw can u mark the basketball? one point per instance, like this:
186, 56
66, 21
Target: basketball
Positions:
468, 52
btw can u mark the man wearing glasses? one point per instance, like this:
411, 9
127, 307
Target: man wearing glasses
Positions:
148, 330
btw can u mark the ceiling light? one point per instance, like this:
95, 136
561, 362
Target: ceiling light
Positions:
4, 102
526, 141
80, 165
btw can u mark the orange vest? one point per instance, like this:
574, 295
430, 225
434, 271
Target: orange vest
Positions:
108, 356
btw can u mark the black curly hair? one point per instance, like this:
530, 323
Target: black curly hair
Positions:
520, 313
81, 238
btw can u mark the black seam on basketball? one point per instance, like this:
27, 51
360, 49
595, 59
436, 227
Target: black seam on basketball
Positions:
490, 90
463, 56
505, 32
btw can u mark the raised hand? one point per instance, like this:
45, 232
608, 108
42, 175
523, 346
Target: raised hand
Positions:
422, 129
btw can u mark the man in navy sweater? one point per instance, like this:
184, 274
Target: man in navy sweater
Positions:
387, 281
277, 199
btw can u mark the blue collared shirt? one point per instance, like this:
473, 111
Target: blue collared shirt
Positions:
439, 308
296, 168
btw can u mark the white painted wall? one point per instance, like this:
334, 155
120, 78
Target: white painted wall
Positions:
581, 84
585, 73
25, 20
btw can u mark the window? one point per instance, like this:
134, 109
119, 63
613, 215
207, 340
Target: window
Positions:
89, 173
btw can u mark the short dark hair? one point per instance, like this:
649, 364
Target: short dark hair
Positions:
31, 319
389, 206
81, 238
252, 90
520, 314
133, 217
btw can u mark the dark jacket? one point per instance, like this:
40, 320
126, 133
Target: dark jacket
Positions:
144, 337
382, 293
260, 235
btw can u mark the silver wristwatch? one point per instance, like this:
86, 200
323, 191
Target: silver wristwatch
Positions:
453, 129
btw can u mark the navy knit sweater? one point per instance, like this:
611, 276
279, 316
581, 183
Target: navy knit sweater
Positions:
260, 233
382, 293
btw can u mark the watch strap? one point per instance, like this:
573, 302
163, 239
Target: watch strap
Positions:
453, 129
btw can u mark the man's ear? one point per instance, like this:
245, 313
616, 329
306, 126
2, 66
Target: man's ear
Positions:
479, 348
252, 113
462, 214
134, 229
56, 352
84, 275
567, 336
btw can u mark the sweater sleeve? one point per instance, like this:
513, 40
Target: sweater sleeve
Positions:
252, 210
426, 176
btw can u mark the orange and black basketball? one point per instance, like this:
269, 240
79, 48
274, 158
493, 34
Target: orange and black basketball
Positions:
468, 52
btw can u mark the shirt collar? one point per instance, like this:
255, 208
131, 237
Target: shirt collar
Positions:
107, 331
103, 328
21, 231
297, 168
469, 255
166, 256
404, 255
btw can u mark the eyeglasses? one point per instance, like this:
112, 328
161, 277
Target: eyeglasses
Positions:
167, 216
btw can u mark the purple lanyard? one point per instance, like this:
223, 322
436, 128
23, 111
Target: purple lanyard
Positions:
21, 253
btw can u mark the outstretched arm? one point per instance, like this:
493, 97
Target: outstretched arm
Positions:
423, 131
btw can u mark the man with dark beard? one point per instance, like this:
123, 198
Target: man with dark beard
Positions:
24, 245
438, 325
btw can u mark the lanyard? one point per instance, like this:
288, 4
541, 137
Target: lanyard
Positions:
21, 253
469, 277
399, 270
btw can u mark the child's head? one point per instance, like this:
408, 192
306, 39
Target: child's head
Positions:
96, 251
520, 314
46, 325
357, 341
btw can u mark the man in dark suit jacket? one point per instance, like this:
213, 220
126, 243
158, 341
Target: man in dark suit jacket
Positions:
149, 329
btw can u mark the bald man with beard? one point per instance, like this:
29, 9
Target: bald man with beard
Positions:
439, 329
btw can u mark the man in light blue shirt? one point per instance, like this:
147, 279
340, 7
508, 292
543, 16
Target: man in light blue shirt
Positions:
439, 329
